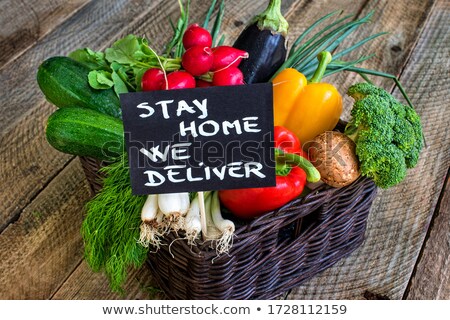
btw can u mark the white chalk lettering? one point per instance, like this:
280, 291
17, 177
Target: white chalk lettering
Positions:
183, 106
233, 167
171, 173
201, 128
202, 107
248, 126
255, 168
177, 148
164, 109
189, 176
151, 178
220, 173
207, 171
235, 124
191, 128
154, 153
144, 105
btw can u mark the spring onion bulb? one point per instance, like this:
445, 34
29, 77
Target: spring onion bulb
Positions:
225, 226
212, 233
170, 204
150, 209
184, 202
149, 233
192, 224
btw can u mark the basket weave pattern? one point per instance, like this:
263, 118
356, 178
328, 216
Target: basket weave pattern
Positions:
271, 254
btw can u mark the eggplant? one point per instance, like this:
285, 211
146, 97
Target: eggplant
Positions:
265, 41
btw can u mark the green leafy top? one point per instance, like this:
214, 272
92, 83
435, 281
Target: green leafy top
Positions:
123, 64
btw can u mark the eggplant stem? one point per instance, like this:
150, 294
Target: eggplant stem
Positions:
272, 19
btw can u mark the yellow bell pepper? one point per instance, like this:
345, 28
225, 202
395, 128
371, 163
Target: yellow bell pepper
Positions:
307, 108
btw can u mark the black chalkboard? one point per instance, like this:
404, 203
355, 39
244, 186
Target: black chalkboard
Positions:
199, 139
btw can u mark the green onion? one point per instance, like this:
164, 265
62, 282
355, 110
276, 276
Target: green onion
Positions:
302, 55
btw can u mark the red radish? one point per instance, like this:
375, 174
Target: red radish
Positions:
152, 79
231, 76
202, 83
179, 80
197, 60
196, 36
226, 56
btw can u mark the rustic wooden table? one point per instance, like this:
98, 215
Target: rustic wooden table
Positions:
42, 192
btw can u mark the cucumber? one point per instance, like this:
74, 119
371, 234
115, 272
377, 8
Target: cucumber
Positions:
64, 83
85, 132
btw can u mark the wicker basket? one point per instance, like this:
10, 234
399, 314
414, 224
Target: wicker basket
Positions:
271, 254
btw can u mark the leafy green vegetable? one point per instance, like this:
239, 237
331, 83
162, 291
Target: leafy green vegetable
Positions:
124, 50
100, 79
111, 227
120, 78
388, 135
91, 59
122, 65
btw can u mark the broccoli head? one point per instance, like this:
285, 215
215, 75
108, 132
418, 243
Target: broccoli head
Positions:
388, 135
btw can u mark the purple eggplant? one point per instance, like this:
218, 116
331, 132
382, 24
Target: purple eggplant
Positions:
265, 41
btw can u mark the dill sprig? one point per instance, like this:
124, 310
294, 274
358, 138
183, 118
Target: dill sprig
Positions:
111, 227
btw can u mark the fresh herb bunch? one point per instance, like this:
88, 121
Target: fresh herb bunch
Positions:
111, 227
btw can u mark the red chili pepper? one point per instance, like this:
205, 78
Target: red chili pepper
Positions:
293, 169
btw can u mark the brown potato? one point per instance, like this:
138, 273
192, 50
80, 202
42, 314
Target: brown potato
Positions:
333, 154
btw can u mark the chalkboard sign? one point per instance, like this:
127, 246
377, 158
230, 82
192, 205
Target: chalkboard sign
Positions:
199, 139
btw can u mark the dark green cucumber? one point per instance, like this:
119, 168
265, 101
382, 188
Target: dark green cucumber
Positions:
85, 132
64, 83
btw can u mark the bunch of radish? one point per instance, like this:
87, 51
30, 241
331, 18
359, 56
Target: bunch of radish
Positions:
203, 66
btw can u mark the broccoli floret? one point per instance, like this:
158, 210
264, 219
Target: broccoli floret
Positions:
372, 115
384, 163
361, 90
388, 135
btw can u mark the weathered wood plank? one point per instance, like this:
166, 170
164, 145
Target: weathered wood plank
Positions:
28, 162
95, 25
83, 284
400, 216
41, 249
403, 20
431, 279
25, 22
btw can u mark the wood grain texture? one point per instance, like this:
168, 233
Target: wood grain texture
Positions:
42, 248
25, 22
28, 162
401, 215
83, 284
403, 21
431, 279
95, 25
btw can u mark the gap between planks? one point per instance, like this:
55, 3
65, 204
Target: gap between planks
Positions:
416, 286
